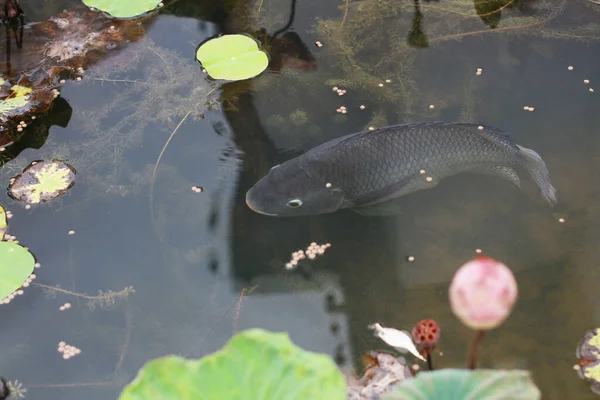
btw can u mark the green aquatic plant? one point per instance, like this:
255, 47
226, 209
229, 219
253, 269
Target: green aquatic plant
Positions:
232, 57
456, 384
123, 9
16, 264
255, 364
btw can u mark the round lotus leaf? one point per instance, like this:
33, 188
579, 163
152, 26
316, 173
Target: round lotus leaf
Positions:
42, 181
232, 57
123, 8
253, 365
458, 384
16, 264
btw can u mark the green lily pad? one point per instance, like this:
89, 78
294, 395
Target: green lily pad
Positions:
16, 264
123, 8
42, 181
232, 57
253, 365
457, 384
3, 222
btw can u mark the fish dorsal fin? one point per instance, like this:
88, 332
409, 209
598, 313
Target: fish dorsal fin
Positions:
489, 133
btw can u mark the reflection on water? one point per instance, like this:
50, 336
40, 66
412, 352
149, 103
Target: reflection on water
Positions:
189, 255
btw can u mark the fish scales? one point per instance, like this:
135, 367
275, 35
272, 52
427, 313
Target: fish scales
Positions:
370, 161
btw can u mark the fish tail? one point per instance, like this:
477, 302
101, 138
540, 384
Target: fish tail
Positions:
536, 167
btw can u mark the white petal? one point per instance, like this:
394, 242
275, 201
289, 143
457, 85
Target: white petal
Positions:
400, 340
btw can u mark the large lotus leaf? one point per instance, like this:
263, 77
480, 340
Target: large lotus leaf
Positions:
123, 8
253, 365
232, 57
457, 384
16, 264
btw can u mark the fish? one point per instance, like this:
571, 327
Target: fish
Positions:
370, 171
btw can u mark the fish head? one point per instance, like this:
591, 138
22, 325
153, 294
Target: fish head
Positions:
289, 190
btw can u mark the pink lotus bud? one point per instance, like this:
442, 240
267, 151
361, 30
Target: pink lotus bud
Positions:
482, 293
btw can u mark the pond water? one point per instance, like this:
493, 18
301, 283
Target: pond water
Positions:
190, 257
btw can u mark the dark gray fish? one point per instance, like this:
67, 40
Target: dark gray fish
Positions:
368, 171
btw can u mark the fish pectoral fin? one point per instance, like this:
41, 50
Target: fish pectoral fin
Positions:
389, 207
501, 171
406, 185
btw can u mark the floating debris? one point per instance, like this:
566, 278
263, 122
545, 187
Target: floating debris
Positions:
400, 340
371, 128
318, 44
388, 81
197, 189
383, 372
570, 68
591, 90
422, 171
380, 85
71, 232
480, 127
42, 181
328, 185
429, 179
410, 258
586, 81
67, 350
479, 71
311, 252
362, 107
562, 220
528, 108
342, 110
478, 251
431, 106
65, 306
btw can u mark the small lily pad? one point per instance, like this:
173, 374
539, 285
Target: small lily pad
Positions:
42, 181
123, 8
16, 99
588, 353
232, 57
458, 384
3, 222
16, 264
254, 365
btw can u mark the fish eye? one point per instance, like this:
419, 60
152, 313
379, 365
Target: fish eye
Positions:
295, 203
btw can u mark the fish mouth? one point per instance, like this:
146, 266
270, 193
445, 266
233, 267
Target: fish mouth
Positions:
250, 206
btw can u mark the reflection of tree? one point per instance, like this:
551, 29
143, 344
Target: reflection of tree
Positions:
416, 36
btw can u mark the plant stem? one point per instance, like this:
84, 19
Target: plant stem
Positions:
429, 363
475, 349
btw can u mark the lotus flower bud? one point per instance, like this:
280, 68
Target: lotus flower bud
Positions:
482, 293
